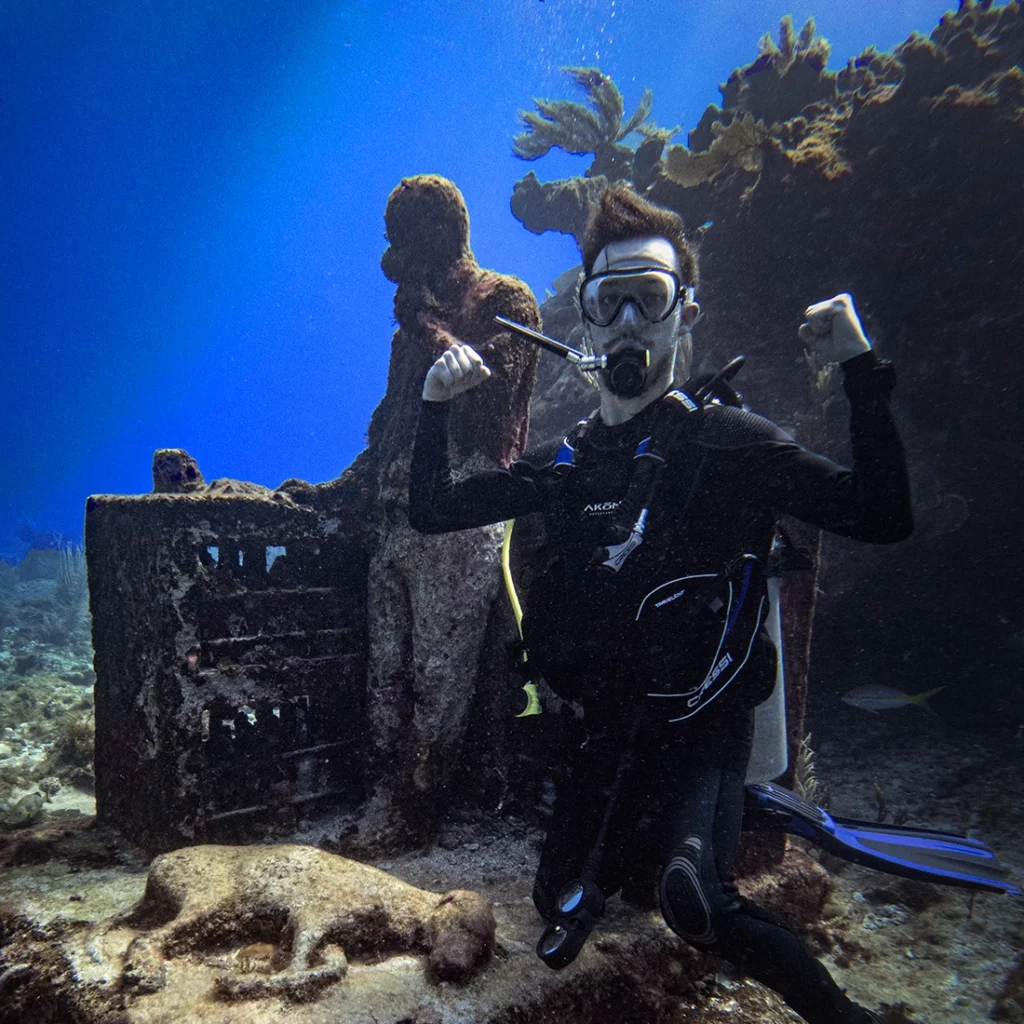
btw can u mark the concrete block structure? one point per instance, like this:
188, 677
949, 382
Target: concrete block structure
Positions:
230, 654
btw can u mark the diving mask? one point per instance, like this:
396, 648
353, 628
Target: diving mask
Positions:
654, 292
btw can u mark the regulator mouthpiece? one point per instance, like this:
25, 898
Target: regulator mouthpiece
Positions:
625, 372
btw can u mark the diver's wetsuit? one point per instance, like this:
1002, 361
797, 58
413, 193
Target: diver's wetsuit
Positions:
728, 476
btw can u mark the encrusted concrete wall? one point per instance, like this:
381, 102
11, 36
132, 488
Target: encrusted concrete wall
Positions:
229, 696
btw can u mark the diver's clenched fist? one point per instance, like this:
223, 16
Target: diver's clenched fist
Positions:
832, 330
459, 369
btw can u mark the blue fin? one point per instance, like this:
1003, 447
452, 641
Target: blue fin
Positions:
924, 854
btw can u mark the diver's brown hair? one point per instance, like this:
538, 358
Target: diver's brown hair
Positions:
621, 214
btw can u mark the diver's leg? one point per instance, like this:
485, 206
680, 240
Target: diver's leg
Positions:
581, 803
699, 900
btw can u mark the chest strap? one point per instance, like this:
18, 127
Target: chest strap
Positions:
674, 412
626, 533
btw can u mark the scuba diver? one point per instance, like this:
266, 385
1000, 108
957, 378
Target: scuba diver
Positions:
660, 514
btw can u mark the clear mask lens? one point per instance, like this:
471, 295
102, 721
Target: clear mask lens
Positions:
654, 292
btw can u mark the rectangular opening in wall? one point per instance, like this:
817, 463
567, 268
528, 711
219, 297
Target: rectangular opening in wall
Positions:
271, 760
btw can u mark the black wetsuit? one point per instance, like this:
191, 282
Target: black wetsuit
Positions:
726, 479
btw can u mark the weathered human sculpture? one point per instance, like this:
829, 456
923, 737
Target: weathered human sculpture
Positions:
176, 472
428, 603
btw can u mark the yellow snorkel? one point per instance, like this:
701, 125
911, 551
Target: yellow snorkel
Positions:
530, 689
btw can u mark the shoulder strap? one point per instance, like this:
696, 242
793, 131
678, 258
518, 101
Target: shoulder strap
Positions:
565, 459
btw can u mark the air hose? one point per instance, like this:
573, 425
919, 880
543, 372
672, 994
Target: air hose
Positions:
533, 706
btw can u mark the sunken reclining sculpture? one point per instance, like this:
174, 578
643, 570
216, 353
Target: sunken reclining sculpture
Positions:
295, 913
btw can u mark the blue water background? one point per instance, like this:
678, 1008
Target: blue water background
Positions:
193, 198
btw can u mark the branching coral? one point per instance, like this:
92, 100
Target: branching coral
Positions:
808, 47
785, 77
765, 100
72, 588
737, 146
807, 783
575, 128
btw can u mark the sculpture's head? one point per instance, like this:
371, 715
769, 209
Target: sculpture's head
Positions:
427, 226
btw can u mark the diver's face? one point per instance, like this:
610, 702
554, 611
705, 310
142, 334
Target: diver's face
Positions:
630, 324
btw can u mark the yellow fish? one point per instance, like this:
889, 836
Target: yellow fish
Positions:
885, 698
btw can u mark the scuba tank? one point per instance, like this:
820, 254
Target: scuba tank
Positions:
769, 753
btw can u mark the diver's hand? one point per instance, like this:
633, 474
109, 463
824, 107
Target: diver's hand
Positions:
459, 369
832, 330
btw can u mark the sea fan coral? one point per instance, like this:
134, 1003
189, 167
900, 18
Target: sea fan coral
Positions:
577, 129
737, 146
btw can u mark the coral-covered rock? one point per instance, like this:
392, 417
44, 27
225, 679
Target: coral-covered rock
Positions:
794, 891
556, 205
897, 179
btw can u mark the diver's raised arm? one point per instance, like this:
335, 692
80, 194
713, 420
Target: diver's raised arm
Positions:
870, 500
459, 368
832, 330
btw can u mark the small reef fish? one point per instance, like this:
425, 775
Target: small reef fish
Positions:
24, 812
885, 698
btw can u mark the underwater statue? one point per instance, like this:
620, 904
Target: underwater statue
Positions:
428, 604
210, 897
